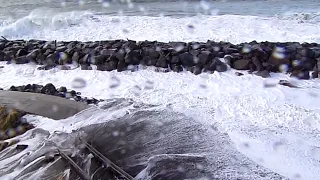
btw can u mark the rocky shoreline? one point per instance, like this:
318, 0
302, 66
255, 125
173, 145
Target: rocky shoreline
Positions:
300, 60
50, 89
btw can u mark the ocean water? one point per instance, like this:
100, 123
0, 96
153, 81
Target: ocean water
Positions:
233, 21
261, 133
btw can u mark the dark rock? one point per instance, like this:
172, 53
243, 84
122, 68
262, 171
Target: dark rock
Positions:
263, 73
53, 59
287, 83
122, 66
108, 66
242, 64
32, 56
204, 57
61, 48
21, 52
197, 69
315, 74
257, 63
85, 67
49, 89
84, 59
132, 57
175, 60
64, 67
162, 62
75, 57
13, 88
21, 60
307, 52
100, 59
2, 55
300, 74
239, 74
187, 59
62, 89
176, 68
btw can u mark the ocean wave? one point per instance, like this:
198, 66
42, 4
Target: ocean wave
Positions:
300, 17
88, 26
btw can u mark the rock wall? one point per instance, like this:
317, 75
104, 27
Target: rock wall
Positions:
259, 58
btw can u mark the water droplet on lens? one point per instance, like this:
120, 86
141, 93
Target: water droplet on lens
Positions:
55, 108
269, 83
180, 169
136, 90
115, 133
283, 68
78, 83
125, 31
149, 85
191, 28
296, 63
199, 166
279, 147
114, 82
315, 153
310, 121
179, 47
81, 2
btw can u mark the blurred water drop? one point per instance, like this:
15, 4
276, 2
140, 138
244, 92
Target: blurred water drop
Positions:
158, 48
130, 5
216, 48
141, 8
115, 133
196, 137
315, 153
114, 82
149, 85
20, 129
283, 68
123, 151
55, 108
179, 47
269, 83
203, 86
63, 4
296, 63
105, 4
195, 46
181, 169
204, 5
190, 28
81, 2
214, 12
296, 176
78, 83
11, 133
125, 31
310, 121
245, 145
246, 49
136, 90
199, 166
195, 59
279, 147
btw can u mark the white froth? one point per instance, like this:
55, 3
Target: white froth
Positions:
250, 113
85, 26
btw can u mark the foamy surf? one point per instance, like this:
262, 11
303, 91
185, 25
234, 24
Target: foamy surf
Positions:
262, 122
86, 26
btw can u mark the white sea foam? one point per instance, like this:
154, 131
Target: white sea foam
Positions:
281, 130
85, 26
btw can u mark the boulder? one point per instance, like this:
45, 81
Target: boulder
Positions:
242, 64
49, 89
